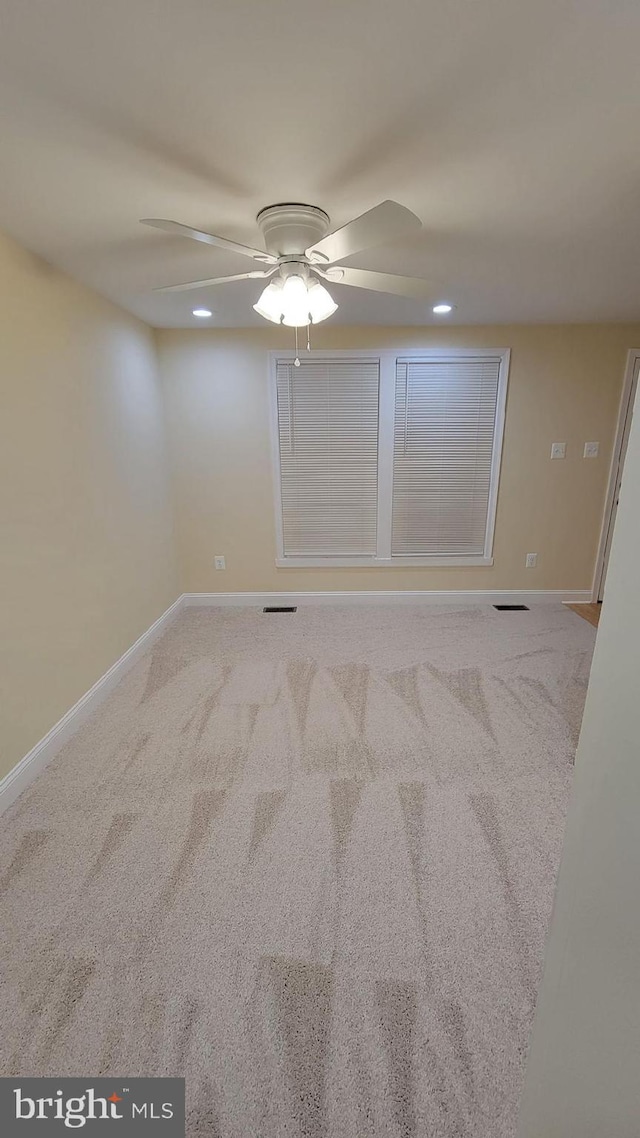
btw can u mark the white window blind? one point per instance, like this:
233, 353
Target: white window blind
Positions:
328, 447
443, 449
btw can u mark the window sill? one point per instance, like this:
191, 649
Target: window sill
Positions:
442, 562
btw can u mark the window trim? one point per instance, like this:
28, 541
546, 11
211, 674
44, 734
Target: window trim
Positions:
387, 362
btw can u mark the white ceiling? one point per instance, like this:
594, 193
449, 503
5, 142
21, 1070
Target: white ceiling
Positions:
511, 127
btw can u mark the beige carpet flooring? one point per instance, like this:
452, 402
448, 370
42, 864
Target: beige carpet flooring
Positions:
306, 861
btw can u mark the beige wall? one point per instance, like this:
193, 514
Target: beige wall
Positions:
86, 559
564, 385
583, 1072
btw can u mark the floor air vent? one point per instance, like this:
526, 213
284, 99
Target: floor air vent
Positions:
281, 608
512, 608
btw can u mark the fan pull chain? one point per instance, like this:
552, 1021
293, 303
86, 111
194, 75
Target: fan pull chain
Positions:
296, 362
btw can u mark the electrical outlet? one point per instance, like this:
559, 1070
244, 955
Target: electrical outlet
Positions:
219, 563
558, 450
591, 450
531, 560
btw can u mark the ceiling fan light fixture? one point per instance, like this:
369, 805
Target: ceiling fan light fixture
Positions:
295, 302
320, 303
269, 303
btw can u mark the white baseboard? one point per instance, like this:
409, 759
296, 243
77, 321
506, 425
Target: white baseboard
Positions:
39, 756
394, 597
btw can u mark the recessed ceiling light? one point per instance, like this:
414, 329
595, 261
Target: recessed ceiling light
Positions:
442, 309
202, 312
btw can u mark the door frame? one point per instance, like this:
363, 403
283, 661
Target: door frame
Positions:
633, 357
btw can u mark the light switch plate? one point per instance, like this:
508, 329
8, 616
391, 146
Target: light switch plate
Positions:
591, 450
558, 450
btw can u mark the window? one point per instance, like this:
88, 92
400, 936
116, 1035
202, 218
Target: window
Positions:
445, 414
328, 442
387, 459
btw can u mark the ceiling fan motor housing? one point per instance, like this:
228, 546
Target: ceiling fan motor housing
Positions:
290, 228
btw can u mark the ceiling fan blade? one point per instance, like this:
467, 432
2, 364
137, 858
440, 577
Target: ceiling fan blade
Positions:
207, 238
378, 226
383, 282
256, 274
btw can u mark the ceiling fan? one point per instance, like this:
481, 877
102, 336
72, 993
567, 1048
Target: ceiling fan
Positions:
300, 253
